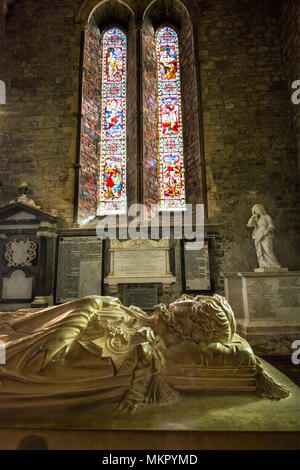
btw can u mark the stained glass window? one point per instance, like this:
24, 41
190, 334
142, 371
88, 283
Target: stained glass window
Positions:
113, 123
171, 167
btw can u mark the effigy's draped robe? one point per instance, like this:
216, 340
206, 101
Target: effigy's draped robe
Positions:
51, 354
95, 349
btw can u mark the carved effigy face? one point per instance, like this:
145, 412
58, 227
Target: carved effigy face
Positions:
175, 322
202, 319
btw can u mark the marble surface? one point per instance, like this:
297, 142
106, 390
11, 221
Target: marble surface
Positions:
139, 261
269, 296
17, 286
267, 307
201, 412
79, 267
263, 236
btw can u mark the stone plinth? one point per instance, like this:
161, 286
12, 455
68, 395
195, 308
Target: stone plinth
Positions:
267, 308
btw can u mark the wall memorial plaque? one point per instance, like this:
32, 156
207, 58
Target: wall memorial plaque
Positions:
79, 270
139, 261
144, 297
145, 263
196, 267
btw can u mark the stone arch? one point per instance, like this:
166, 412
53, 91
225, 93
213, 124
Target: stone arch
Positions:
140, 19
138, 8
171, 7
89, 7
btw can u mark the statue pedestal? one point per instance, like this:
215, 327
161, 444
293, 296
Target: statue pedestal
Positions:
267, 308
270, 270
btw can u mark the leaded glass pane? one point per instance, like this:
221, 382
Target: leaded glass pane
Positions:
171, 167
113, 123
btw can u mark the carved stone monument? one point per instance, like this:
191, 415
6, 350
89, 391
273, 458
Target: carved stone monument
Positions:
267, 307
27, 249
95, 349
267, 301
79, 270
143, 297
263, 236
139, 261
196, 267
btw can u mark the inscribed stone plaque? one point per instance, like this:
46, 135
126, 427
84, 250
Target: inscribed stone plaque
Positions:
151, 263
17, 286
145, 297
79, 268
139, 261
196, 262
273, 297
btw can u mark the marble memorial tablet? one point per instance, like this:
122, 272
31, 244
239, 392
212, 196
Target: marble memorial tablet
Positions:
151, 263
144, 297
79, 268
196, 263
271, 296
139, 261
17, 286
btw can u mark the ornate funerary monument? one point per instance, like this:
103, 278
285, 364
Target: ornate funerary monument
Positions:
95, 349
27, 249
266, 301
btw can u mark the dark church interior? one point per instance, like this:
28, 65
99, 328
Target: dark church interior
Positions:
149, 224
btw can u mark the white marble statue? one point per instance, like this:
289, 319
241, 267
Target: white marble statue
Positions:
263, 235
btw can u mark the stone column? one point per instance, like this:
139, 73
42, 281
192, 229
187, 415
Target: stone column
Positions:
195, 23
139, 85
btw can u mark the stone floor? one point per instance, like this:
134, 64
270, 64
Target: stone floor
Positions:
285, 365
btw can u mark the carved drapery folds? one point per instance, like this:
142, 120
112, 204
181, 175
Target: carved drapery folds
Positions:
95, 349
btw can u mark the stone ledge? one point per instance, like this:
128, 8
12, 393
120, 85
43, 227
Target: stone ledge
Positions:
152, 440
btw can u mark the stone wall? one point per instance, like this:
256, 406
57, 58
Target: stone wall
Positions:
249, 139
190, 119
39, 62
290, 27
